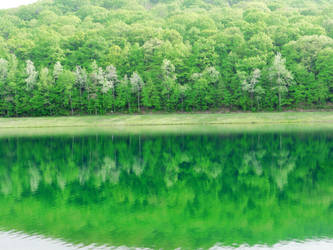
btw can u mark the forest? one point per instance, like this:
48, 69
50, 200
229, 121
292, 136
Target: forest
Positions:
72, 57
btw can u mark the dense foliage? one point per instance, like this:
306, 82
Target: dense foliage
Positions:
188, 191
65, 57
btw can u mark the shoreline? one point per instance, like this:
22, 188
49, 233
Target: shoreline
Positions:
190, 119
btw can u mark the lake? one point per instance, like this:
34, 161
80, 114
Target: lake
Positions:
201, 188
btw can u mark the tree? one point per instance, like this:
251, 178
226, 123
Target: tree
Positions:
10, 93
81, 81
98, 81
202, 92
111, 79
3, 76
32, 74
64, 93
123, 90
42, 95
57, 70
280, 76
44, 77
182, 91
168, 80
136, 86
3, 69
250, 85
324, 69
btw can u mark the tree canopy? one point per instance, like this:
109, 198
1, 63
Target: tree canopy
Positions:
102, 56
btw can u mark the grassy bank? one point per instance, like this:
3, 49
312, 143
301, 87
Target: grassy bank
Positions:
170, 119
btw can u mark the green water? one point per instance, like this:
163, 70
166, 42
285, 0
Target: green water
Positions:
169, 190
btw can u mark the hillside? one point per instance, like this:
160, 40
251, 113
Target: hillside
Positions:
63, 57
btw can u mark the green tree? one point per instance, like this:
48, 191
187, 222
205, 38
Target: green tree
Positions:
136, 86
168, 83
280, 77
250, 85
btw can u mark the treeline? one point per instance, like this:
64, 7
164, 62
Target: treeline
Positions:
99, 57
101, 91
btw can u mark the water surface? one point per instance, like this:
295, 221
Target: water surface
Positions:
169, 190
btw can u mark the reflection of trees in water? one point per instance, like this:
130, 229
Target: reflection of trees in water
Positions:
170, 185
253, 161
99, 160
138, 166
61, 181
84, 174
276, 161
5, 184
35, 178
207, 167
108, 171
283, 163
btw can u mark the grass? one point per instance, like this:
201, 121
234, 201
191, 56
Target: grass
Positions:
170, 119
169, 123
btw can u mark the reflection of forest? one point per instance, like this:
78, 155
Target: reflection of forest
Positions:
176, 190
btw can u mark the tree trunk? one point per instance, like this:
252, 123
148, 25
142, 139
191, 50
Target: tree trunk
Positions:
251, 101
80, 99
71, 105
257, 104
15, 106
129, 105
113, 101
103, 104
88, 99
168, 105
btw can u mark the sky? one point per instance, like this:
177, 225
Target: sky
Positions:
5, 4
